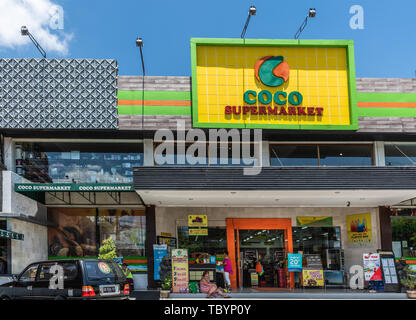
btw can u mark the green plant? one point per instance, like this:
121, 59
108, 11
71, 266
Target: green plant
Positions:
410, 280
167, 283
107, 250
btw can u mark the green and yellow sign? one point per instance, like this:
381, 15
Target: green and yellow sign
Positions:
281, 84
314, 221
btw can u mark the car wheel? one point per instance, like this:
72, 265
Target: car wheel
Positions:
60, 298
5, 298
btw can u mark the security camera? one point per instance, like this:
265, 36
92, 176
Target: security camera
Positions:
348, 203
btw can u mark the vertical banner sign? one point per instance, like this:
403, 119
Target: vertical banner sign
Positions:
294, 262
372, 269
159, 251
359, 233
180, 274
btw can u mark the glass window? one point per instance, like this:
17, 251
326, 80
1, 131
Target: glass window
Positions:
322, 155
72, 232
97, 270
345, 155
317, 240
403, 228
169, 154
214, 243
293, 155
78, 232
70, 270
126, 227
30, 273
59, 162
400, 155
226, 157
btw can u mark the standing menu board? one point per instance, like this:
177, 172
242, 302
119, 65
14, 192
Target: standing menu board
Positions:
390, 278
180, 271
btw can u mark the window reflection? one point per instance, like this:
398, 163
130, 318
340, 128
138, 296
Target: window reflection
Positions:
78, 162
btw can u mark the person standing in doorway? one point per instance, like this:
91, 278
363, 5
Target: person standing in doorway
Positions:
228, 269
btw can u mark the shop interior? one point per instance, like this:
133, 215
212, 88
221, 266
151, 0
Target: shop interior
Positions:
319, 245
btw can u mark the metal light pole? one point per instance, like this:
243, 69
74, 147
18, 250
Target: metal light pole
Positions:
25, 32
311, 14
251, 12
139, 43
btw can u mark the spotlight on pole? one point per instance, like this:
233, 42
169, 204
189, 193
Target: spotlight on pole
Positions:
25, 32
311, 14
251, 12
139, 43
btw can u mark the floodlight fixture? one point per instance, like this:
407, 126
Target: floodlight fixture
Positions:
311, 14
25, 32
251, 12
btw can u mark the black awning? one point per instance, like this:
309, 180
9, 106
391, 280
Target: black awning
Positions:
275, 178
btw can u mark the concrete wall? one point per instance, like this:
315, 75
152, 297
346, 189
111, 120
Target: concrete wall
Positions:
35, 244
33, 248
168, 219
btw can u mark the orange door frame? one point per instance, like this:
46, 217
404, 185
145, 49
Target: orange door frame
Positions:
255, 224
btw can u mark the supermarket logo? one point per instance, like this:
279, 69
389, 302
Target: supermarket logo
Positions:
272, 71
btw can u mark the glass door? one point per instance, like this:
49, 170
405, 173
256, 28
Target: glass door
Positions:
260, 240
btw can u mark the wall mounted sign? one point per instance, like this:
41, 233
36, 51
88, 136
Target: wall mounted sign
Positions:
180, 274
314, 221
197, 220
281, 84
11, 235
359, 232
77, 187
198, 231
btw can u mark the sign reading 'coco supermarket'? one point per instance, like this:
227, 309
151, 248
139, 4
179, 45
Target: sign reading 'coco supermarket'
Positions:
291, 84
66, 187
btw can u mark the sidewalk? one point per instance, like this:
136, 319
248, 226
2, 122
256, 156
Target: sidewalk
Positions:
311, 294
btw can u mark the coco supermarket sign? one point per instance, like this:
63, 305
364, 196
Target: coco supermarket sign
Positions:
278, 84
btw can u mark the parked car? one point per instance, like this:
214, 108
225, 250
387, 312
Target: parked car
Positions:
68, 279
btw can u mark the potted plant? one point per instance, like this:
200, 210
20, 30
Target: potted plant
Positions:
166, 286
409, 281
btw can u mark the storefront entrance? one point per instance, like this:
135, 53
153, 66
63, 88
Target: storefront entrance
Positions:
264, 240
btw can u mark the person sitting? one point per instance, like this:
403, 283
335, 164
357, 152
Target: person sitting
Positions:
211, 289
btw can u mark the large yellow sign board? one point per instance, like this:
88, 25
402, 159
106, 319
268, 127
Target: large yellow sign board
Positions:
234, 86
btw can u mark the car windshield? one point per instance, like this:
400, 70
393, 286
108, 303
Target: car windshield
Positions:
103, 270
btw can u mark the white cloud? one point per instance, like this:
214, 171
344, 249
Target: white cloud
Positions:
40, 17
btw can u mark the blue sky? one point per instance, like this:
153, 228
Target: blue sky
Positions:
107, 29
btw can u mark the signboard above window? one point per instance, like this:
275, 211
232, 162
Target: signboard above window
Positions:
273, 84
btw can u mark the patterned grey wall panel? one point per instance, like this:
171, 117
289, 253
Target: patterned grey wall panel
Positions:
58, 94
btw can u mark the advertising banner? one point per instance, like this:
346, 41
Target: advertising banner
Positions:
294, 262
313, 277
159, 251
372, 268
180, 274
314, 221
197, 221
359, 233
198, 232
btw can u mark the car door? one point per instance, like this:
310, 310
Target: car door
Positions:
24, 285
41, 286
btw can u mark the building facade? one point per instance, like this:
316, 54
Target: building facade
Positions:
314, 159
